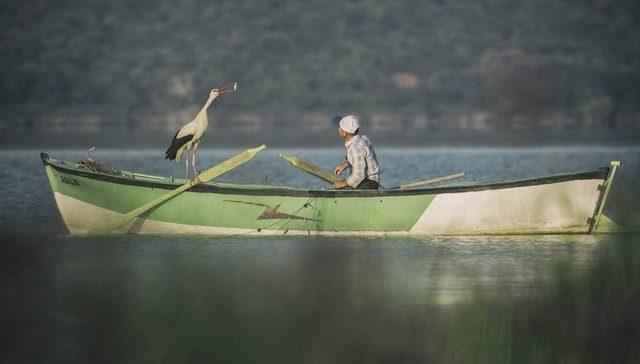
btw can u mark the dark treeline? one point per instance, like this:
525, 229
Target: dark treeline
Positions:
505, 64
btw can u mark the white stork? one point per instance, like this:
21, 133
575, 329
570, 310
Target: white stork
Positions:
188, 137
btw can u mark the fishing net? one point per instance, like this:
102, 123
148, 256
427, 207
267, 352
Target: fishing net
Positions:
93, 166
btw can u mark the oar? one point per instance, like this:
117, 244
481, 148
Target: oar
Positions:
431, 180
203, 177
310, 168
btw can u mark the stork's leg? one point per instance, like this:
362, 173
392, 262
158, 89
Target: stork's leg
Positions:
186, 166
193, 163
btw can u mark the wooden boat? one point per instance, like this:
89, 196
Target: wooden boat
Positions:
566, 203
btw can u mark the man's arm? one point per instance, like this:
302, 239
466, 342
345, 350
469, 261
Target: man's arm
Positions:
341, 168
358, 167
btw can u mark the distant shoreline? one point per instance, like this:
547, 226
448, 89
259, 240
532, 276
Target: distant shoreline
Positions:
217, 139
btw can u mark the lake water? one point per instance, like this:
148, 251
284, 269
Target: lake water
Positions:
556, 298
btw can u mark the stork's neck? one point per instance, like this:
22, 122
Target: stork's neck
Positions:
208, 103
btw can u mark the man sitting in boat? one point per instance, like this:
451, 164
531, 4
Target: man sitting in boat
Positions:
361, 157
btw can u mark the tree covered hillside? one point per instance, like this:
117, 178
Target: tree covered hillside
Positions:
516, 63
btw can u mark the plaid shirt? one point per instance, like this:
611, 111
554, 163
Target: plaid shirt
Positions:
362, 158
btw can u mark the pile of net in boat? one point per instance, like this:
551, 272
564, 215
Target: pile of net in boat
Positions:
94, 166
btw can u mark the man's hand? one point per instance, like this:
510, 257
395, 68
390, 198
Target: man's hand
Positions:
341, 168
340, 184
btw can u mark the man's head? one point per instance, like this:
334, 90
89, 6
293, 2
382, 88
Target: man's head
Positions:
348, 126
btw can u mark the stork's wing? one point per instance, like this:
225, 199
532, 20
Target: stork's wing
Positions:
189, 128
176, 144
182, 137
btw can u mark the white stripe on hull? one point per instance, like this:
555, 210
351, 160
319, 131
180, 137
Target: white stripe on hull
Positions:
550, 208
80, 217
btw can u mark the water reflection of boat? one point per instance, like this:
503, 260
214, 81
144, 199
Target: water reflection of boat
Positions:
567, 203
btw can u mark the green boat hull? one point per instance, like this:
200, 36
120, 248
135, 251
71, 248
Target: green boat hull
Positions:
557, 204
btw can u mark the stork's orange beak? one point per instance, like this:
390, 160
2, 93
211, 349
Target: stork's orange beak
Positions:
228, 88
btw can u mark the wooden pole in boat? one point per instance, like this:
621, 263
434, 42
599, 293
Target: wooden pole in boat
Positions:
310, 168
203, 177
432, 180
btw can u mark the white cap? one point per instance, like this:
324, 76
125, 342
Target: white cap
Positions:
349, 124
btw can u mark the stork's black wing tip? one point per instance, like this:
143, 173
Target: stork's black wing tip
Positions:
177, 143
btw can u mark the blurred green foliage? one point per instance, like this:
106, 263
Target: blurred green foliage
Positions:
516, 60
